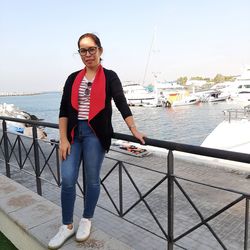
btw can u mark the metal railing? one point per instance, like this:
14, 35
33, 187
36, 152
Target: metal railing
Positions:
237, 114
21, 152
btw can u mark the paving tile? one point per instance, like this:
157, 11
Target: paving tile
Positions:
35, 214
17, 201
45, 231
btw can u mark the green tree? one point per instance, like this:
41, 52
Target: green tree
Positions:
182, 80
219, 78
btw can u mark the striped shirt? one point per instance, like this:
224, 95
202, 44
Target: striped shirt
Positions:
84, 99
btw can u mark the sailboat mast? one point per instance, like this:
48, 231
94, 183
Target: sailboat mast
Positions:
149, 55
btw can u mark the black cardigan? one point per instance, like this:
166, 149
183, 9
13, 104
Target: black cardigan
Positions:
101, 123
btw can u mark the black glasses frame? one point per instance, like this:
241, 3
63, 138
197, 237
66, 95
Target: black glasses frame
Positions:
91, 50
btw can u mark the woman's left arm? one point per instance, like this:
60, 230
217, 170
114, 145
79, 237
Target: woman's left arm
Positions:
132, 127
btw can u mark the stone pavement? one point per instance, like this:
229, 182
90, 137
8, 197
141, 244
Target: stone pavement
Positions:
29, 220
229, 226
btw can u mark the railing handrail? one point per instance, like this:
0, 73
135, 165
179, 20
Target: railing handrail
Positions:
31, 122
186, 148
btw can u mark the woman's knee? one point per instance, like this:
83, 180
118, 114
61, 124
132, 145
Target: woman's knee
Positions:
68, 180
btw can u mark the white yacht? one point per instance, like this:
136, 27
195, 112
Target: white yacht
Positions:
232, 133
240, 89
137, 95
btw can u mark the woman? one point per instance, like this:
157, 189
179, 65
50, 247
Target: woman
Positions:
85, 133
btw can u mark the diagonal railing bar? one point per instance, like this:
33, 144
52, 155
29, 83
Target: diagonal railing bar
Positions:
79, 186
110, 171
146, 194
12, 147
1, 142
199, 213
111, 199
210, 217
46, 159
216, 236
106, 190
46, 162
27, 153
142, 198
133, 223
2, 150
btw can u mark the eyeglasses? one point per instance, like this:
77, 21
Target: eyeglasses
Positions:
87, 90
91, 50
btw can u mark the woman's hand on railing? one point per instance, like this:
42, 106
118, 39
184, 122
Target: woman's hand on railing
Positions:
138, 135
64, 147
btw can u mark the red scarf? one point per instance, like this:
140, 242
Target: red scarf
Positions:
97, 94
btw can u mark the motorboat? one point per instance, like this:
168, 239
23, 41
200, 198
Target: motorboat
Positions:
240, 89
137, 95
214, 95
188, 100
232, 133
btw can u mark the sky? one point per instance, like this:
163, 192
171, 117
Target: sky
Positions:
141, 39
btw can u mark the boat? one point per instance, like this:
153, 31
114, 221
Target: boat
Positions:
137, 95
10, 110
186, 101
240, 89
214, 95
232, 133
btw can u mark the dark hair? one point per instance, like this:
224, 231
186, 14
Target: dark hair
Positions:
94, 37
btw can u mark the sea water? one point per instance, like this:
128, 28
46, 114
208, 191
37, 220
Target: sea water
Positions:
185, 124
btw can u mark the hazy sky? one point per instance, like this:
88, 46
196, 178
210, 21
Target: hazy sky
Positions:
191, 38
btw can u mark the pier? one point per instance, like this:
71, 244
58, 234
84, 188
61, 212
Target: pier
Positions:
19, 93
183, 198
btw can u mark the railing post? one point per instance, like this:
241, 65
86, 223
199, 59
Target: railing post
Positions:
58, 162
246, 224
37, 160
6, 149
170, 200
120, 190
19, 152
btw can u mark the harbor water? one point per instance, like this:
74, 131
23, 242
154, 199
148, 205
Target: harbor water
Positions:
185, 124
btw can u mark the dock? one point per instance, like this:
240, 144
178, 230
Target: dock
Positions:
130, 220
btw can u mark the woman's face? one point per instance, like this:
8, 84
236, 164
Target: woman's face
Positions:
90, 53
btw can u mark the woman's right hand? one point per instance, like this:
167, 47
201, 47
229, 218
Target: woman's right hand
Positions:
64, 149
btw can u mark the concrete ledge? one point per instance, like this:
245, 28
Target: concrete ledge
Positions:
29, 221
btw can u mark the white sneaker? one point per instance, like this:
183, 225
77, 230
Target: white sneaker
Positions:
83, 231
63, 234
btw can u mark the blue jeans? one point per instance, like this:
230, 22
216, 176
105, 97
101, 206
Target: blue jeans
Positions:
86, 147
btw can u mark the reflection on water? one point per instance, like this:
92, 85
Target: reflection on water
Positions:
184, 124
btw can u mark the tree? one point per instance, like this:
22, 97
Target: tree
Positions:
219, 78
182, 80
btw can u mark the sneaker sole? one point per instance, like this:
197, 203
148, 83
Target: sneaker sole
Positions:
82, 239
